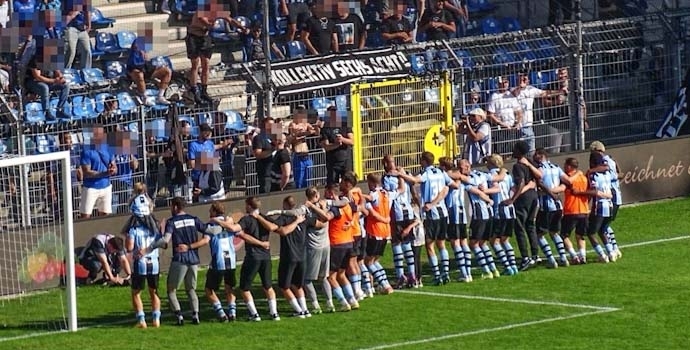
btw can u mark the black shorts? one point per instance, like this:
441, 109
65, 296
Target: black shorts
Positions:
199, 46
215, 277
503, 227
436, 229
250, 268
481, 229
290, 273
298, 13
456, 231
140, 281
614, 212
398, 228
359, 247
376, 247
574, 222
549, 221
597, 224
340, 256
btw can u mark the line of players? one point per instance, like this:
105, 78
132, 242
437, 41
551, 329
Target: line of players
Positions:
339, 240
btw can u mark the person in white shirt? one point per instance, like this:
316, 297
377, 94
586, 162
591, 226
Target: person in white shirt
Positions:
210, 187
505, 111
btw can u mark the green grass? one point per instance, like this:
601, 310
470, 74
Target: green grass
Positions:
648, 287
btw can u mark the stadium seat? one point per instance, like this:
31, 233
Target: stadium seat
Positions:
234, 122
3, 147
432, 95
244, 21
525, 51
421, 36
67, 109
295, 49
546, 49
115, 70
320, 104
281, 25
341, 102
95, 53
473, 28
100, 99
480, 6
491, 26
465, 58
220, 32
158, 129
33, 113
417, 66
125, 39
94, 78
83, 107
73, 78
504, 56
98, 21
185, 7
510, 24
132, 127
107, 43
46, 144
161, 61
126, 102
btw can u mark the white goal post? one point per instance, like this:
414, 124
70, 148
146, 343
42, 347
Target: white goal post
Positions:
64, 177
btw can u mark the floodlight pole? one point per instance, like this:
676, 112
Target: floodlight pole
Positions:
268, 88
579, 74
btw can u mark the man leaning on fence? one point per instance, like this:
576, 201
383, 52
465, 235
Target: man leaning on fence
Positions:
204, 144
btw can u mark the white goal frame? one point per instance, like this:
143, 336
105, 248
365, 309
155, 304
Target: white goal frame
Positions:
68, 222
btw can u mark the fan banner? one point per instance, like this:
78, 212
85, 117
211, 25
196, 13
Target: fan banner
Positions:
314, 73
675, 121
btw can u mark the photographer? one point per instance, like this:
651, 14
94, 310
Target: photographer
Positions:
477, 136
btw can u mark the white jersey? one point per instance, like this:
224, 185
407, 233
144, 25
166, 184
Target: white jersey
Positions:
504, 105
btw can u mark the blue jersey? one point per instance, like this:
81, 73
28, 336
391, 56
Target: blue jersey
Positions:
222, 249
502, 211
185, 229
601, 182
144, 238
141, 206
615, 184
480, 209
551, 178
402, 204
455, 202
433, 182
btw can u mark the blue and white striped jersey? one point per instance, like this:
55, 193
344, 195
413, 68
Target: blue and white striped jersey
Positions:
402, 204
551, 178
502, 211
222, 249
480, 209
615, 184
433, 182
455, 202
601, 182
143, 238
141, 206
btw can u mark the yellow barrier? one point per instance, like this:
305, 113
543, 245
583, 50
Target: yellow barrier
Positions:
403, 118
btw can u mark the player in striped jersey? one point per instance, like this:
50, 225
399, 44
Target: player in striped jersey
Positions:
552, 183
143, 244
611, 165
434, 185
500, 186
600, 191
457, 220
403, 216
482, 215
222, 266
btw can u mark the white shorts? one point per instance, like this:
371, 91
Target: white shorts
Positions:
101, 199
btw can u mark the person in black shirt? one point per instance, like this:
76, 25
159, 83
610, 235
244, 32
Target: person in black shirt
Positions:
262, 147
526, 201
281, 171
174, 170
351, 31
438, 24
397, 29
337, 140
41, 83
319, 34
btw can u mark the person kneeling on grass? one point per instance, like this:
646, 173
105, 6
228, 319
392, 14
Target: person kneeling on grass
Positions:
222, 267
106, 253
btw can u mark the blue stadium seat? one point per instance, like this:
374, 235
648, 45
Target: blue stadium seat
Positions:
417, 66
473, 28
185, 7
465, 58
126, 102
295, 49
73, 78
421, 36
115, 70
220, 32
205, 118
504, 56
511, 24
546, 49
94, 78
234, 122
33, 113
490, 26
100, 99
526, 52
67, 109
244, 21
3, 147
158, 129
125, 39
281, 25
491, 85
161, 61
98, 21
548, 76
480, 6
133, 127
46, 144
83, 107
341, 102
320, 104
95, 53
107, 43
192, 123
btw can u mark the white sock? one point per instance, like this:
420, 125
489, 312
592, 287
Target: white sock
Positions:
295, 305
272, 306
303, 303
251, 308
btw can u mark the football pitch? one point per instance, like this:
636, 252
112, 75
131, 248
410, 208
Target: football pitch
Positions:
640, 301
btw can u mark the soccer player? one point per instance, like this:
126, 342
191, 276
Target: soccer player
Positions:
223, 263
457, 225
143, 244
575, 211
403, 216
552, 183
600, 214
482, 215
318, 254
612, 166
105, 252
357, 270
434, 186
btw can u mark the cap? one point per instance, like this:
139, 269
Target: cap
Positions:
205, 127
597, 146
478, 111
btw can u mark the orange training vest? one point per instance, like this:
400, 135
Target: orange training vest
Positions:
376, 228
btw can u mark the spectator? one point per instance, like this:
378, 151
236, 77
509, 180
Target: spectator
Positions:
137, 70
297, 12
127, 163
209, 186
262, 147
78, 18
202, 145
477, 136
281, 169
175, 170
351, 31
53, 177
458, 8
337, 140
5, 70
298, 131
46, 5
319, 34
154, 152
97, 165
558, 115
42, 82
4, 13
255, 52
24, 6
397, 29
438, 24
505, 111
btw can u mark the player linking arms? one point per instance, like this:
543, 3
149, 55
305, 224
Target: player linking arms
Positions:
144, 246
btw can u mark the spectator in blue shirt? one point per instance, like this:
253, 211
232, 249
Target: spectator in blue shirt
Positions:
97, 166
45, 5
138, 70
78, 18
202, 145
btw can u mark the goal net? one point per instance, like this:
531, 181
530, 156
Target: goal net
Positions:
37, 284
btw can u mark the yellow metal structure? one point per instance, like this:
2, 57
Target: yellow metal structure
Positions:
403, 118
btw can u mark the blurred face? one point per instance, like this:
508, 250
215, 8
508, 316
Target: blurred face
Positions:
187, 130
331, 193
503, 85
205, 135
67, 140
465, 166
474, 118
524, 81
562, 74
474, 98
301, 117
345, 187
439, 5
389, 163
539, 158
206, 161
98, 134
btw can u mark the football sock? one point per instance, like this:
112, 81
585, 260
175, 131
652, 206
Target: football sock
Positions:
398, 259
356, 281
303, 303
433, 261
366, 277
583, 254
560, 246
193, 301
599, 250
272, 306
295, 305
377, 274
612, 237
501, 254
347, 291
409, 259
327, 291
311, 292
459, 259
489, 257
251, 308
468, 260
141, 317
384, 278
156, 315
572, 252
609, 248
481, 260
510, 252
232, 309
338, 293
545, 247
218, 308
445, 261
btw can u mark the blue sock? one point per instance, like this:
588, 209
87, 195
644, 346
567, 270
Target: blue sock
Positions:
347, 291
366, 279
468, 259
384, 277
356, 281
338, 293
501, 254
511, 253
560, 246
141, 317
409, 259
445, 260
545, 247
218, 308
599, 250
232, 309
156, 315
459, 259
479, 253
433, 261
489, 257
398, 261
